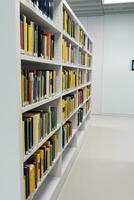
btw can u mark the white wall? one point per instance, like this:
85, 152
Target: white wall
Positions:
113, 82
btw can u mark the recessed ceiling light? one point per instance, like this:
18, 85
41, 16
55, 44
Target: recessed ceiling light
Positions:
117, 1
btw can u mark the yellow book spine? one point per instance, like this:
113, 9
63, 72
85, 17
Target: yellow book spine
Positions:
32, 178
30, 39
25, 33
41, 152
63, 50
38, 167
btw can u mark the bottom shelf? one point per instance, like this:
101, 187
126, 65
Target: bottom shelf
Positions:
47, 190
52, 183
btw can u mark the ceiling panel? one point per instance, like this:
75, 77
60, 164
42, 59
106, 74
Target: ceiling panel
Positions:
95, 7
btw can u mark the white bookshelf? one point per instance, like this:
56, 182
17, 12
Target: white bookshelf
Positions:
12, 159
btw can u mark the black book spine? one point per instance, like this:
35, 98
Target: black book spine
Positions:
26, 173
39, 41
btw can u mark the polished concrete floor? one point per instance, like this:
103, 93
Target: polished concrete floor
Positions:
104, 168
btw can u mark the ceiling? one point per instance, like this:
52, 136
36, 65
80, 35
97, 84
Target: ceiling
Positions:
95, 7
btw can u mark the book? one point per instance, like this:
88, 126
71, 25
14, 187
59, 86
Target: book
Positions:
89, 60
82, 57
46, 6
66, 133
88, 91
80, 115
87, 106
82, 37
89, 45
80, 97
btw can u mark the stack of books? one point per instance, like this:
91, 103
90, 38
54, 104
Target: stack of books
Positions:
68, 52
37, 85
45, 6
68, 106
68, 24
36, 125
81, 77
35, 41
38, 164
68, 79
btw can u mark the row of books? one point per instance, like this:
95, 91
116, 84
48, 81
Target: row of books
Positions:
82, 37
80, 97
34, 40
88, 91
36, 167
66, 133
80, 115
68, 105
36, 125
81, 77
68, 24
37, 85
68, 52
87, 106
68, 79
82, 57
46, 7
89, 60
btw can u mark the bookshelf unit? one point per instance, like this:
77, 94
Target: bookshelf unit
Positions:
13, 60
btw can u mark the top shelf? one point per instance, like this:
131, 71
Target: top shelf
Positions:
27, 8
65, 4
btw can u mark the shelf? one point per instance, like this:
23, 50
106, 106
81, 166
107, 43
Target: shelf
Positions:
76, 66
34, 59
36, 147
70, 39
36, 15
69, 116
69, 65
69, 91
44, 177
84, 85
40, 103
82, 104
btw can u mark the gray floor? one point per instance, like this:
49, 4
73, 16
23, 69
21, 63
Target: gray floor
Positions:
104, 168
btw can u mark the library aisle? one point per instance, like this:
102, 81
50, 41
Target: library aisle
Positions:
104, 167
